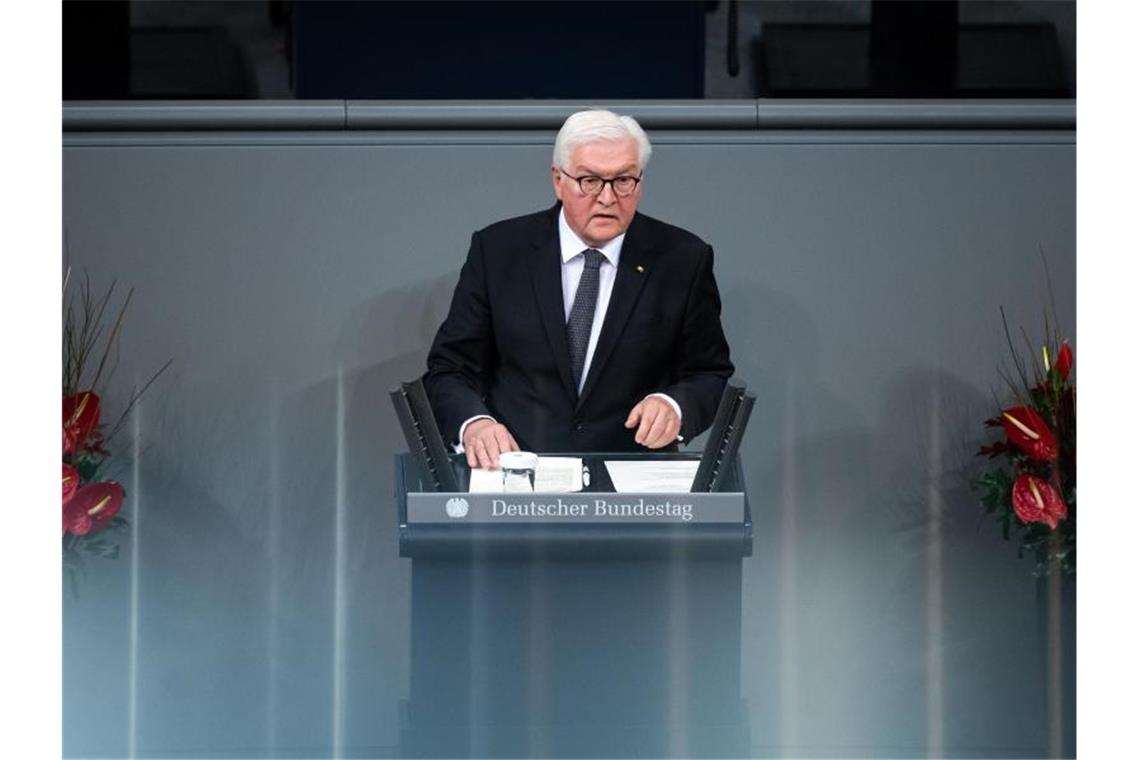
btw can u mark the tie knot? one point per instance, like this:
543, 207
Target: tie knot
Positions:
593, 258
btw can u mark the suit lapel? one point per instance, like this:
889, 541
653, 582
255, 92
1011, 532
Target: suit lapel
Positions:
546, 275
633, 271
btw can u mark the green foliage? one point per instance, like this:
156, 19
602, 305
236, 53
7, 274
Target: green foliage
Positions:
88, 466
994, 487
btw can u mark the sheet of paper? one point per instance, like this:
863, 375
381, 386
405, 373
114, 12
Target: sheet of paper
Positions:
553, 475
657, 476
558, 475
486, 481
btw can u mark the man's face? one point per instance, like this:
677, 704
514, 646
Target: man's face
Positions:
598, 219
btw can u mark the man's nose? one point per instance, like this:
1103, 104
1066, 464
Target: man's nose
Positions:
607, 196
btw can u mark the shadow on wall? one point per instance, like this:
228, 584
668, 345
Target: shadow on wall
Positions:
871, 595
955, 561
805, 636
272, 612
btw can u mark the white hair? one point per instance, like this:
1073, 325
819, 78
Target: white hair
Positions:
599, 126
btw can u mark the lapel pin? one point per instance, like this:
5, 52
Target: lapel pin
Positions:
641, 269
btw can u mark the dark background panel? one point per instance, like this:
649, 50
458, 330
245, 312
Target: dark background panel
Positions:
287, 49
449, 50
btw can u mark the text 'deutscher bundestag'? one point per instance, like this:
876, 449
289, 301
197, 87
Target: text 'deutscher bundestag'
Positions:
683, 508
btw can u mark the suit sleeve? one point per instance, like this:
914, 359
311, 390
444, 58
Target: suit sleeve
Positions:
701, 355
462, 353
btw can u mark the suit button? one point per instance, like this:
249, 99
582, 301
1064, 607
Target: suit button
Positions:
579, 427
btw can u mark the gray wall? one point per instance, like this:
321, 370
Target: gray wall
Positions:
295, 275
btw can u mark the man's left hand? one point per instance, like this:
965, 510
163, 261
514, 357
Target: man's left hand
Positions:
657, 424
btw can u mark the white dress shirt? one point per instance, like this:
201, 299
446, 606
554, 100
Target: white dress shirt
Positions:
573, 263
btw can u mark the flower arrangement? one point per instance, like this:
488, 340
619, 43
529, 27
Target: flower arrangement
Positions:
91, 503
1031, 486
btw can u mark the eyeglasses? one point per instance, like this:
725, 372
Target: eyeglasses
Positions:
590, 185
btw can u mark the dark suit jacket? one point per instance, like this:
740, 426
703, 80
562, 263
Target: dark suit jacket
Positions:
503, 350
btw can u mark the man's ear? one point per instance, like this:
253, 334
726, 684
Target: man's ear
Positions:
556, 178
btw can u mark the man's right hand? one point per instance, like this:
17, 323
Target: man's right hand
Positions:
484, 440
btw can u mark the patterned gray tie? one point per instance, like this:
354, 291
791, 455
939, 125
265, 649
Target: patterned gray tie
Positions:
582, 314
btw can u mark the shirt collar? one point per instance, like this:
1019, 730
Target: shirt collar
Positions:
572, 245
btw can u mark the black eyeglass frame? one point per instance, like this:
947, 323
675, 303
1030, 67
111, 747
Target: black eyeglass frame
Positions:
602, 188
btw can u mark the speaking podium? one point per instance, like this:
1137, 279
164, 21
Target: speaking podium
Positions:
582, 624
587, 635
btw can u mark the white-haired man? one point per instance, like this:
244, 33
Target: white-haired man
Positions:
585, 327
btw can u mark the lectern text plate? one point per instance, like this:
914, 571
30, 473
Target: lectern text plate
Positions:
576, 508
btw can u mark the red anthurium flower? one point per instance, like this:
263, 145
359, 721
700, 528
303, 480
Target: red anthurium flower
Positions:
92, 507
1035, 500
68, 441
1028, 432
80, 417
1064, 362
70, 482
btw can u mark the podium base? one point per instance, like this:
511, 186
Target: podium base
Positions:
730, 738
576, 658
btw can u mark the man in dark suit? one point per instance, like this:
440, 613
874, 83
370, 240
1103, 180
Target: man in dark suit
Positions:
586, 327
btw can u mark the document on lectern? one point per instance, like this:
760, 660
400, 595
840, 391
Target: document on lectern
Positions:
652, 476
552, 475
